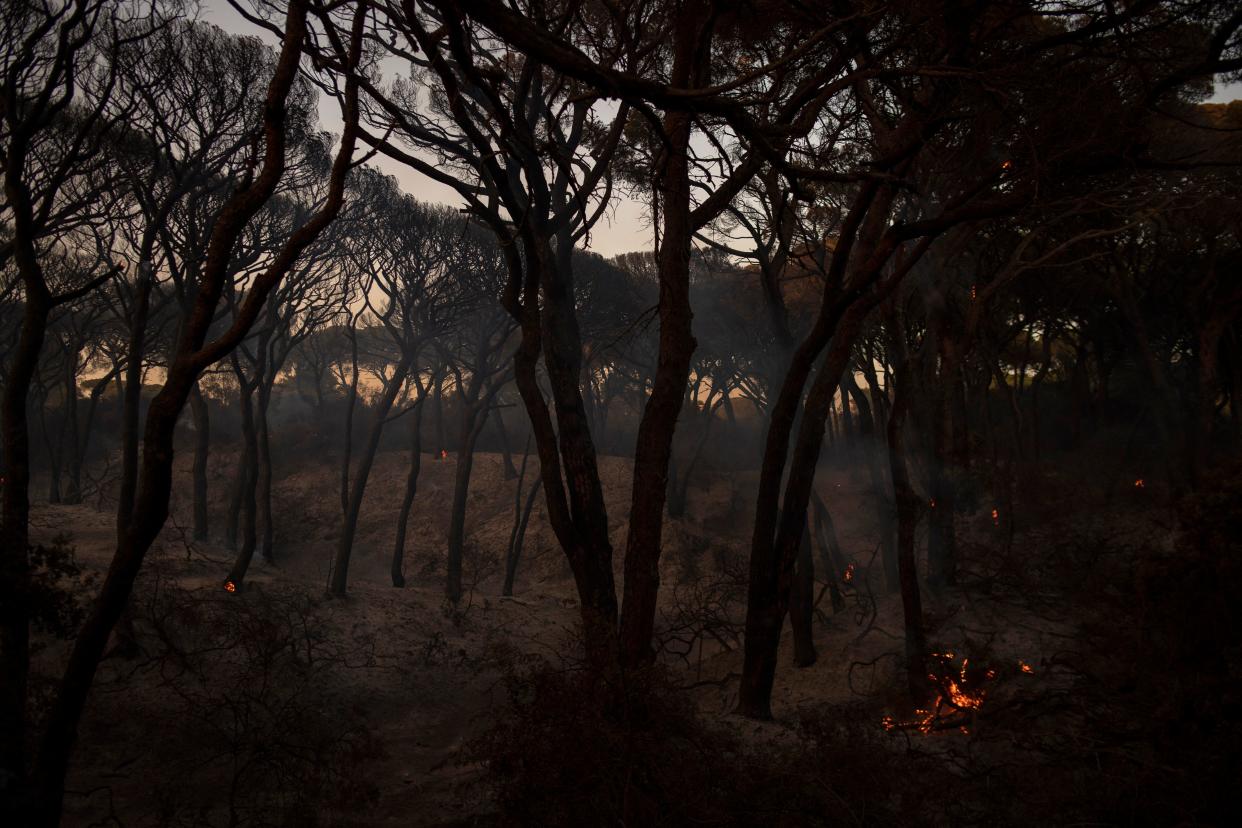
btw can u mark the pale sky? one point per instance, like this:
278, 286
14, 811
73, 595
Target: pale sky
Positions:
622, 230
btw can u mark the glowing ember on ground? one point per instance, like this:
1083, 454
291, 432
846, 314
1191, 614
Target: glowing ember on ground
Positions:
1026, 668
1138, 484
1008, 165
848, 576
996, 516
959, 693
443, 454
229, 586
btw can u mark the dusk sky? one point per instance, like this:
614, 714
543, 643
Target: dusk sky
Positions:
622, 230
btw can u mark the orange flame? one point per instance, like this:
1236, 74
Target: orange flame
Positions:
996, 516
1008, 165
229, 586
848, 576
1138, 484
959, 693
443, 454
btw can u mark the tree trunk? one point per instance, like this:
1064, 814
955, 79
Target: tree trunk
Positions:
15, 531
833, 561
202, 449
473, 420
847, 420
575, 502
1037, 381
339, 576
1179, 461
441, 439
514, 550
1235, 388
1207, 375
519, 538
232, 519
1015, 409
679, 485
871, 447
52, 447
676, 347
946, 469
88, 426
775, 547
907, 503
397, 569
510, 472
263, 477
133, 399
351, 404
802, 605
72, 443
247, 489
184, 366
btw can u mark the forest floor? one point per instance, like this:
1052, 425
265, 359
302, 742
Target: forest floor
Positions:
380, 694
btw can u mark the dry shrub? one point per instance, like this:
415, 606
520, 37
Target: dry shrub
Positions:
254, 726
1137, 713
55, 602
572, 749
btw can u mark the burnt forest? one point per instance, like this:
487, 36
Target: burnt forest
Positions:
620, 413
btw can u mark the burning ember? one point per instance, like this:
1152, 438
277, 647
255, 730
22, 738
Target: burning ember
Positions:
443, 455
848, 575
959, 692
229, 586
996, 516
1008, 165
1138, 484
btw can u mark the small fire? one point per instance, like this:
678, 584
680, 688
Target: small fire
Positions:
1138, 484
443, 455
996, 516
229, 586
959, 697
1008, 165
958, 694
848, 576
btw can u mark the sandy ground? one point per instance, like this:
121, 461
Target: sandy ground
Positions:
423, 678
